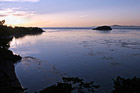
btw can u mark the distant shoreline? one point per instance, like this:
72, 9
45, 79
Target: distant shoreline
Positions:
114, 27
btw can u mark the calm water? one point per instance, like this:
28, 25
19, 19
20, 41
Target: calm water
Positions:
98, 56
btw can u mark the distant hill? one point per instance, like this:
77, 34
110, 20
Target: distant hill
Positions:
125, 27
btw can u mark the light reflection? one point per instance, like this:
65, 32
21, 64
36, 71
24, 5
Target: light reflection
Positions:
14, 43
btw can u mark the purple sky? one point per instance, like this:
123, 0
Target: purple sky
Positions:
70, 13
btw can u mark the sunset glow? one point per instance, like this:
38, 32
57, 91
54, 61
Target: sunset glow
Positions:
69, 46
64, 13
14, 20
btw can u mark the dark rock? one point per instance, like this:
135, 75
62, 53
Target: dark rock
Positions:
103, 28
9, 82
129, 85
70, 84
8, 55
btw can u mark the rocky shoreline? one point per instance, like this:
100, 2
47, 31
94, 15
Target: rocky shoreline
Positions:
9, 82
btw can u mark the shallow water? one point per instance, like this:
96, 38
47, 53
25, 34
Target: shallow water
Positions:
98, 56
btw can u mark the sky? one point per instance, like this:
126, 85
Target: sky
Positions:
70, 13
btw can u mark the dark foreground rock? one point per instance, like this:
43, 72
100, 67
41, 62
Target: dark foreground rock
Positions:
70, 84
126, 85
103, 28
9, 82
7, 55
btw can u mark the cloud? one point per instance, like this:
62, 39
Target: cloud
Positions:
19, 0
14, 12
16, 16
1, 15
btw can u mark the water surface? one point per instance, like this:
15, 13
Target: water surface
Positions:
92, 55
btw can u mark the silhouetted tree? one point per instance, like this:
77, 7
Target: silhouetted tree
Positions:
2, 22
